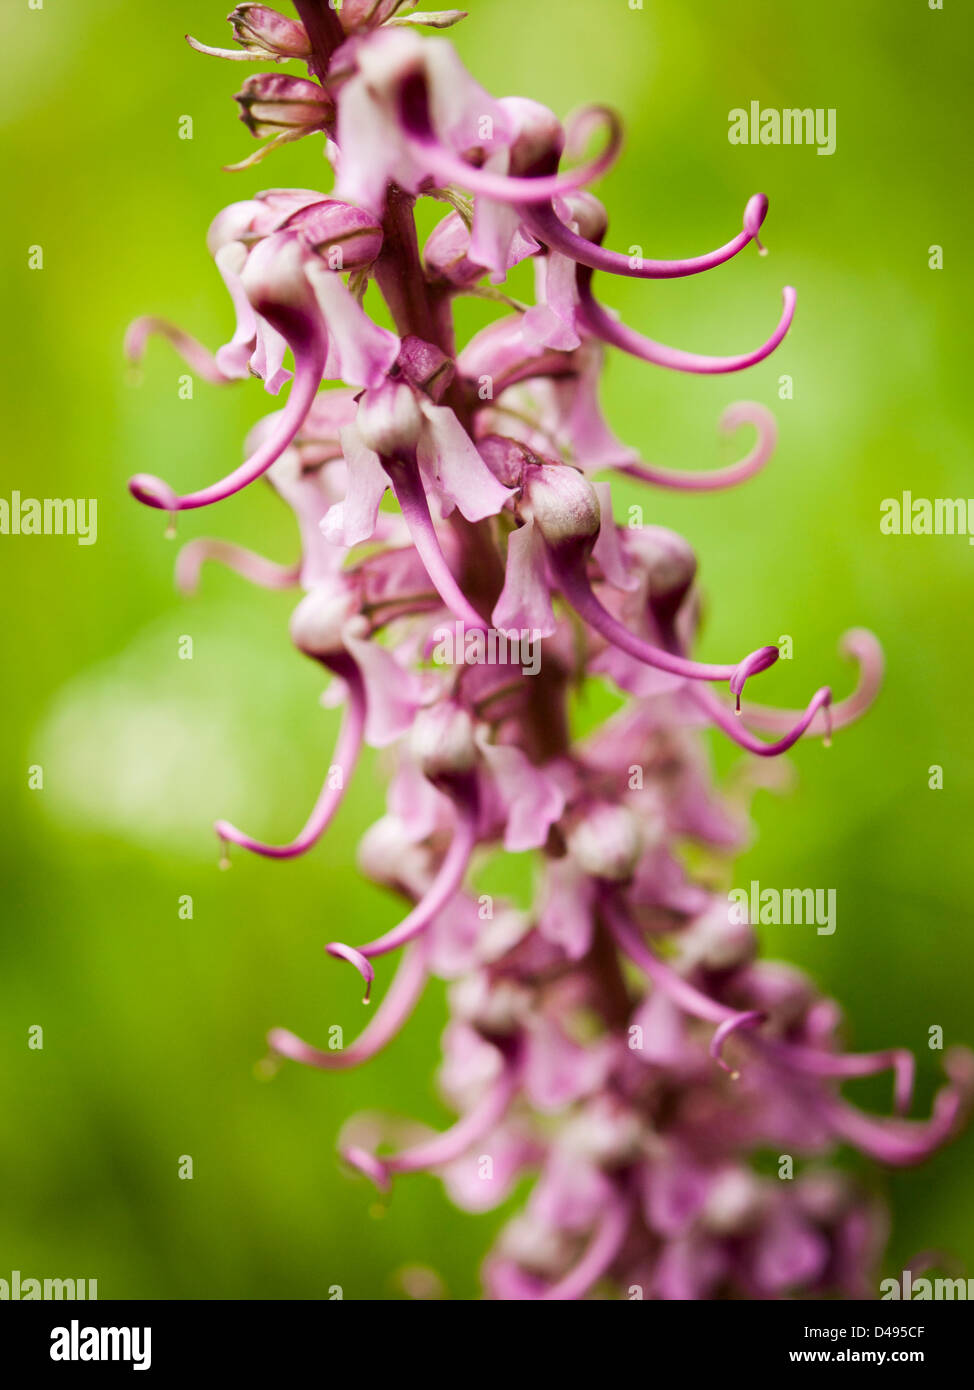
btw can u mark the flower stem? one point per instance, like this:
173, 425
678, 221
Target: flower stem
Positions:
324, 30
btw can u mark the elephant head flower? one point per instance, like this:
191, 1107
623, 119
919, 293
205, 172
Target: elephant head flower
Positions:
619, 1039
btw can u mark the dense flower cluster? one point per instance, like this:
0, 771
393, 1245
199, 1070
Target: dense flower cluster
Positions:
591, 1035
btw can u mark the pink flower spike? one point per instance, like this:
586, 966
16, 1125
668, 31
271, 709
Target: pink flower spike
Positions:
741, 413
330, 797
601, 323
548, 227
597, 1006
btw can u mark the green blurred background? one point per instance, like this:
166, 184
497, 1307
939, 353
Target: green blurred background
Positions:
153, 1024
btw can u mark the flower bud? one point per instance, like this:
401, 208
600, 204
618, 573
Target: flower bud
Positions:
733, 1202
389, 419
540, 139
534, 1244
386, 854
425, 366
605, 1131
264, 32
607, 842
563, 503
442, 741
274, 279
506, 458
493, 1007
233, 223
445, 253
345, 237
588, 215
272, 103
249, 221
822, 1194
318, 622
669, 564
365, 14
717, 941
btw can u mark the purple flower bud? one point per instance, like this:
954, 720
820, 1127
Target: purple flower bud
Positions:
359, 15
587, 214
425, 366
273, 103
318, 623
442, 741
274, 277
257, 217
563, 503
445, 253
345, 237
263, 31
389, 419
540, 138
607, 842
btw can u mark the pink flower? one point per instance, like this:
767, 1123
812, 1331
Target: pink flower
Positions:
617, 1038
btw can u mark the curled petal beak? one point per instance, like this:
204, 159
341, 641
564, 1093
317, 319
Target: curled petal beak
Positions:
548, 227
742, 413
602, 325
